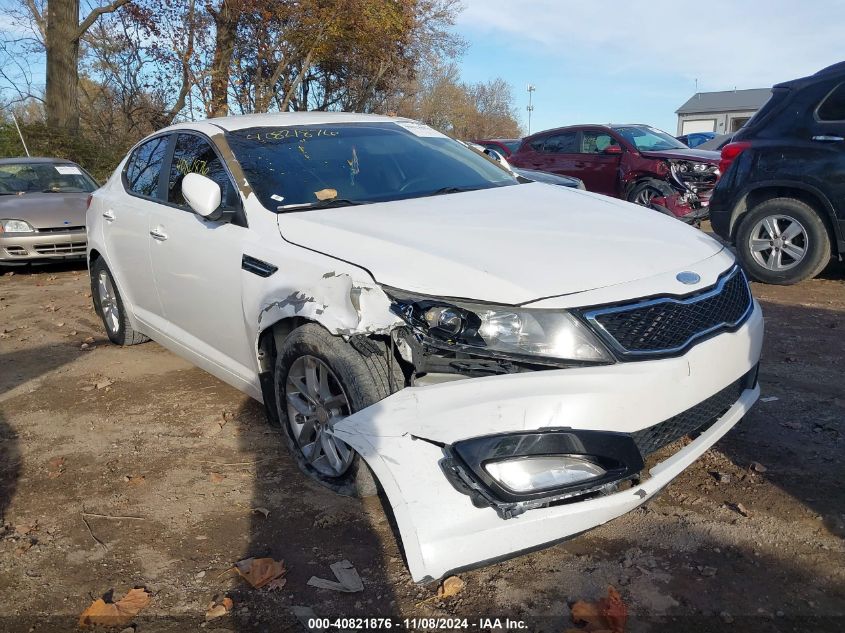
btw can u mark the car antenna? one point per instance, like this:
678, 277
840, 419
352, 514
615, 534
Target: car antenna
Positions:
25, 148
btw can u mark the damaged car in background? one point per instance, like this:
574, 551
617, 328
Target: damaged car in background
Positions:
511, 363
637, 163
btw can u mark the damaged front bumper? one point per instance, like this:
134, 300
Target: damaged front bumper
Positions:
448, 520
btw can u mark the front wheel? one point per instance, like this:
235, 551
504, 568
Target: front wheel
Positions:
319, 380
783, 241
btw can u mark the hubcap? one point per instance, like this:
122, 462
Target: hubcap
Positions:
645, 196
778, 242
108, 302
315, 402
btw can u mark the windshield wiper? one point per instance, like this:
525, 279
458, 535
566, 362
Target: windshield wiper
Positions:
322, 204
445, 190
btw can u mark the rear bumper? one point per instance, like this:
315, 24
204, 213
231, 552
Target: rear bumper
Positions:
42, 245
402, 437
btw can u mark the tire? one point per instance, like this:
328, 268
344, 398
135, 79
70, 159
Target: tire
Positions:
650, 188
359, 373
781, 262
109, 305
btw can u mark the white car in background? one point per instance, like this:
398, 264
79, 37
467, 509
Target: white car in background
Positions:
500, 357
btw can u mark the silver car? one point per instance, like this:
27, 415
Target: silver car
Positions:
42, 209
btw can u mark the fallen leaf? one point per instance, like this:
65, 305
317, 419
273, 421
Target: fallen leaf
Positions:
347, 576
216, 478
740, 508
450, 587
219, 609
24, 547
758, 467
102, 613
105, 382
259, 572
325, 194
135, 480
56, 467
605, 615
263, 511
25, 528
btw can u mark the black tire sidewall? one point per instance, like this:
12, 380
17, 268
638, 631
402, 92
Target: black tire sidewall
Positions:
348, 367
119, 337
818, 241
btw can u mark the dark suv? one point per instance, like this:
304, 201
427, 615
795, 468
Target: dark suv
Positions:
781, 198
637, 163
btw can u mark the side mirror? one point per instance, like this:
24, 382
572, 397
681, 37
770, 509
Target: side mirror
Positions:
495, 155
202, 194
612, 149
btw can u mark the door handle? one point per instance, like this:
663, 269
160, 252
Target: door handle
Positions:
828, 139
109, 215
158, 234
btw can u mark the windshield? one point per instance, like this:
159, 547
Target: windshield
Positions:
44, 178
294, 168
648, 139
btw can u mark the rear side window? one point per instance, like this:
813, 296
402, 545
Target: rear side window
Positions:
144, 167
596, 142
193, 154
833, 107
561, 144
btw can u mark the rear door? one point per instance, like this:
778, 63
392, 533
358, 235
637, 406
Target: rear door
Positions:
197, 265
828, 134
556, 154
126, 215
598, 169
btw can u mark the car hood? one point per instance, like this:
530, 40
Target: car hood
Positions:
686, 154
45, 210
506, 245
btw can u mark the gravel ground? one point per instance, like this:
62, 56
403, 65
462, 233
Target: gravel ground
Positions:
750, 538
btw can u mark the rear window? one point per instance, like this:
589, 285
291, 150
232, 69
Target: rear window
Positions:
833, 106
28, 177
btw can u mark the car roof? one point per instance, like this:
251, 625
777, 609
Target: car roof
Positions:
286, 119
34, 160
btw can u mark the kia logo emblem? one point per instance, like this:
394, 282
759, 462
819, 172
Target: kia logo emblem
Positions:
688, 277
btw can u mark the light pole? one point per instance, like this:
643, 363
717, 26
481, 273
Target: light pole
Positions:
530, 108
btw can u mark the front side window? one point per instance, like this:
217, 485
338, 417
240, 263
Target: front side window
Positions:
31, 177
833, 107
561, 144
294, 168
596, 142
193, 154
144, 167
648, 139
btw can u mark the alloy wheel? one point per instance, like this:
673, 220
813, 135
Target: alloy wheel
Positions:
644, 197
108, 301
315, 402
778, 242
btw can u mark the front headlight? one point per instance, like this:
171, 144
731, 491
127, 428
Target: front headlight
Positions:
544, 472
15, 226
501, 330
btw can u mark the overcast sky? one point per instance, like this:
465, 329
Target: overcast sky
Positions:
636, 61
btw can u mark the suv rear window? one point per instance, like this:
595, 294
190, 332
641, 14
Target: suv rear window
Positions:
833, 107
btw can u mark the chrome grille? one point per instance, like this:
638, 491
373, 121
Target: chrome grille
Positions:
669, 325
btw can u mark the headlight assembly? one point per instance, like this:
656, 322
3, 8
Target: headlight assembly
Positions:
15, 226
501, 331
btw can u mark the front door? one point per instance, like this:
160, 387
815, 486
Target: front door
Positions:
595, 166
197, 266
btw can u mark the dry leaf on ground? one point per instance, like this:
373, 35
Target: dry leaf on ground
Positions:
606, 614
135, 480
259, 572
218, 609
56, 467
216, 478
102, 613
451, 586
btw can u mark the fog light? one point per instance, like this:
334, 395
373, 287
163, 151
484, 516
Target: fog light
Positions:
541, 472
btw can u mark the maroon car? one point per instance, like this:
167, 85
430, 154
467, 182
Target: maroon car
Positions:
505, 146
637, 163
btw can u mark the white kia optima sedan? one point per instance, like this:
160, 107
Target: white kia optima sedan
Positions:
510, 362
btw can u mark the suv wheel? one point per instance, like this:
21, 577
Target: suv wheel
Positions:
109, 306
783, 241
319, 380
644, 192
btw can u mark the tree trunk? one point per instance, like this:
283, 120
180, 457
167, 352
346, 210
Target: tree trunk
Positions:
226, 23
62, 45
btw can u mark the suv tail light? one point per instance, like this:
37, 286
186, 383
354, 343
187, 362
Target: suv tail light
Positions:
730, 152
